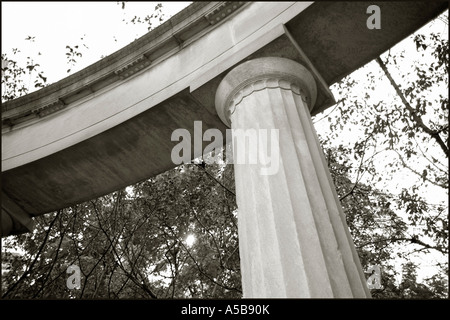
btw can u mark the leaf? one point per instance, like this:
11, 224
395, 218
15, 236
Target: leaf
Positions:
424, 174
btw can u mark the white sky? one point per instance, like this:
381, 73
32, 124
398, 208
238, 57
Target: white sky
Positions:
57, 24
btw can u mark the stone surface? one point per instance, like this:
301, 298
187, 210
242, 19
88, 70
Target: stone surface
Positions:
293, 237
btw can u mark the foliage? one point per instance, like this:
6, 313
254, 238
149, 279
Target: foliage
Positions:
133, 244
157, 16
14, 82
397, 158
73, 53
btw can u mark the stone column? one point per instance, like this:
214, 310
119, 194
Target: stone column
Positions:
293, 238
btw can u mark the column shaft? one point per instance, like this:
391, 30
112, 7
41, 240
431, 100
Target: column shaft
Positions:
293, 238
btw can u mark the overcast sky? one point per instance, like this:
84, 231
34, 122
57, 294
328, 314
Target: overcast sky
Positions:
57, 24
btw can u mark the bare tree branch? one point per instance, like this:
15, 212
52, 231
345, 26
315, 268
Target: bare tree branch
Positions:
434, 134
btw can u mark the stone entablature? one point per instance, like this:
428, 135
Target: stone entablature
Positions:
145, 52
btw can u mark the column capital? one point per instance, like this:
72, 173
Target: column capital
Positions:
261, 73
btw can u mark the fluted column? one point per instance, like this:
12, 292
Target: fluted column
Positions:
293, 238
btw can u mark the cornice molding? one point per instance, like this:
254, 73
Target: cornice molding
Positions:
132, 67
224, 10
187, 25
50, 108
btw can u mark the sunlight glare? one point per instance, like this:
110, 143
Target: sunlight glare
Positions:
190, 240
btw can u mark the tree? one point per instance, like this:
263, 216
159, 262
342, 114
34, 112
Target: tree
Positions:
401, 148
133, 242
14, 83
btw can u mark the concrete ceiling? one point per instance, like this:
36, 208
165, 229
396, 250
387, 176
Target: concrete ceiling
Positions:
334, 35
